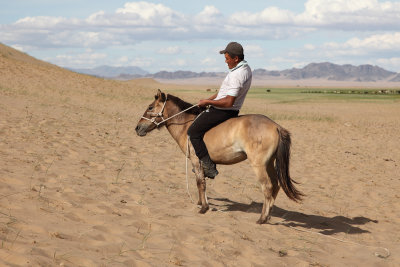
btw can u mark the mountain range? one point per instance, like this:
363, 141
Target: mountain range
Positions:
325, 70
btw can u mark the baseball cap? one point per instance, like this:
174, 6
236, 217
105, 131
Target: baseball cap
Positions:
233, 48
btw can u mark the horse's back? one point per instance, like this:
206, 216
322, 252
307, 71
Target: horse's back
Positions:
241, 137
253, 124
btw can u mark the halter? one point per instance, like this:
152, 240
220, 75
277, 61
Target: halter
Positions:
160, 114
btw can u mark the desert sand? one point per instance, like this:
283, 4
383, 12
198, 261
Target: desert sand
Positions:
80, 188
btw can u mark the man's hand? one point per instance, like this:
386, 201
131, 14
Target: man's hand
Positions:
203, 103
225, 102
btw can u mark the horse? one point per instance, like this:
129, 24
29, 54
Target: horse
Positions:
252, 136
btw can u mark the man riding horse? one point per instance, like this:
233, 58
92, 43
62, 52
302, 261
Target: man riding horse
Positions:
223, 105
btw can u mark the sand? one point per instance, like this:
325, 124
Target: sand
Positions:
80, 188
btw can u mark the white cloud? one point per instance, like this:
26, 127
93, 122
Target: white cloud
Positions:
378, 43
142, 62
179, 62
376, 49
389, 41
43, 22
270, 15
19, 47
122, 60
139, 21
136, 22
355, 14
333, 14
171, 50
253, 50
309, 47
391, 63
209, 61
145, 13
210, 15
77, 60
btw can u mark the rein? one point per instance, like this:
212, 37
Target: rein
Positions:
160, 114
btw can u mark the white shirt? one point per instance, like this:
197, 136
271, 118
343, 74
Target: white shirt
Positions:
237, 83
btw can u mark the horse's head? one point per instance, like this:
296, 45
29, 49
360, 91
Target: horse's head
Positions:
152, 117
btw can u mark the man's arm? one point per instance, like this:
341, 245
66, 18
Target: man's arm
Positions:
225, 102
213, 96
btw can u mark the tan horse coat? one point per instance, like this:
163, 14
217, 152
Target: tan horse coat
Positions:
254, 137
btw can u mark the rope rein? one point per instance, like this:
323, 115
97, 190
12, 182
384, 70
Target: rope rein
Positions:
160, 114
187, 179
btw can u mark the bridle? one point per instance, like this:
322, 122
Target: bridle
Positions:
160, 114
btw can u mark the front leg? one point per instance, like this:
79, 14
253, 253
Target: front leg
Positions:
200, 180
201, 186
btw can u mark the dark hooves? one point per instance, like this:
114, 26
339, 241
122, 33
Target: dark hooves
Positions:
259, 221
203, 210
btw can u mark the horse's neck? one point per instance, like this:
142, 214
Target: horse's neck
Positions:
178, 127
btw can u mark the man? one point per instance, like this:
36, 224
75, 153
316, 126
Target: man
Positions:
223, 105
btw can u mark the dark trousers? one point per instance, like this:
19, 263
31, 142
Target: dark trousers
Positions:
204, 122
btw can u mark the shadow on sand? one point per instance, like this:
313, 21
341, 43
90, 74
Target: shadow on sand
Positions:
325, 225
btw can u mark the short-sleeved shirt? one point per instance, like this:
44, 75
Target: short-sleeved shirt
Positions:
237, 83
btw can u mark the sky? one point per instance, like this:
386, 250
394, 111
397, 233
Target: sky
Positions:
188, 35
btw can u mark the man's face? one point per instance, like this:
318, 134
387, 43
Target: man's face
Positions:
232, 62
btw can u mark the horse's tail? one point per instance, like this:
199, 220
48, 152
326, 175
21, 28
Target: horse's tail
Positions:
282, 166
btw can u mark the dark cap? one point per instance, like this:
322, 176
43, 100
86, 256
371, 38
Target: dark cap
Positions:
233, 48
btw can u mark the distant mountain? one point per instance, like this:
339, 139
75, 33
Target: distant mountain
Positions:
325, 70
395, 78
113, 72
183, 74
330, 71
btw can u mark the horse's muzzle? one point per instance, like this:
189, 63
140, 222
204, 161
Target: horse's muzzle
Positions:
141, 129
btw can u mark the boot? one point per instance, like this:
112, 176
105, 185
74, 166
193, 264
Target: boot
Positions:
209, 167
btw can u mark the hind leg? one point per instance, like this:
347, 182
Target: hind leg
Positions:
267, 189
274, 180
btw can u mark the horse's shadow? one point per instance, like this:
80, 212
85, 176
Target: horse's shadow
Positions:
325, 225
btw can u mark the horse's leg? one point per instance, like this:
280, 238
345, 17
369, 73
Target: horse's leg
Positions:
267, 189
274, 180
201, 185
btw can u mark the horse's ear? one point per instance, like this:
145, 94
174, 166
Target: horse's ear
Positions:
160, 95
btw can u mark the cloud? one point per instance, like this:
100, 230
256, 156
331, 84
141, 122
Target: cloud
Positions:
391, 63
350, 15
374, 44
179, 62
209, 61
142, 61
210, 15
143, 21
171, 50
268, 16
149, 14
376, 49
253, 50
378, 42
77, 60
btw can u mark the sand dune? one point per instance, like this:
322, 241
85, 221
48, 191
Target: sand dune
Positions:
79, 188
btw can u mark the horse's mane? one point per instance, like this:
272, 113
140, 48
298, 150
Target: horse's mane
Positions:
184, 105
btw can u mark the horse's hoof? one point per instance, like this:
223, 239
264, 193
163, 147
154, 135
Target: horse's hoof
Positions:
260, 221
203, 210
